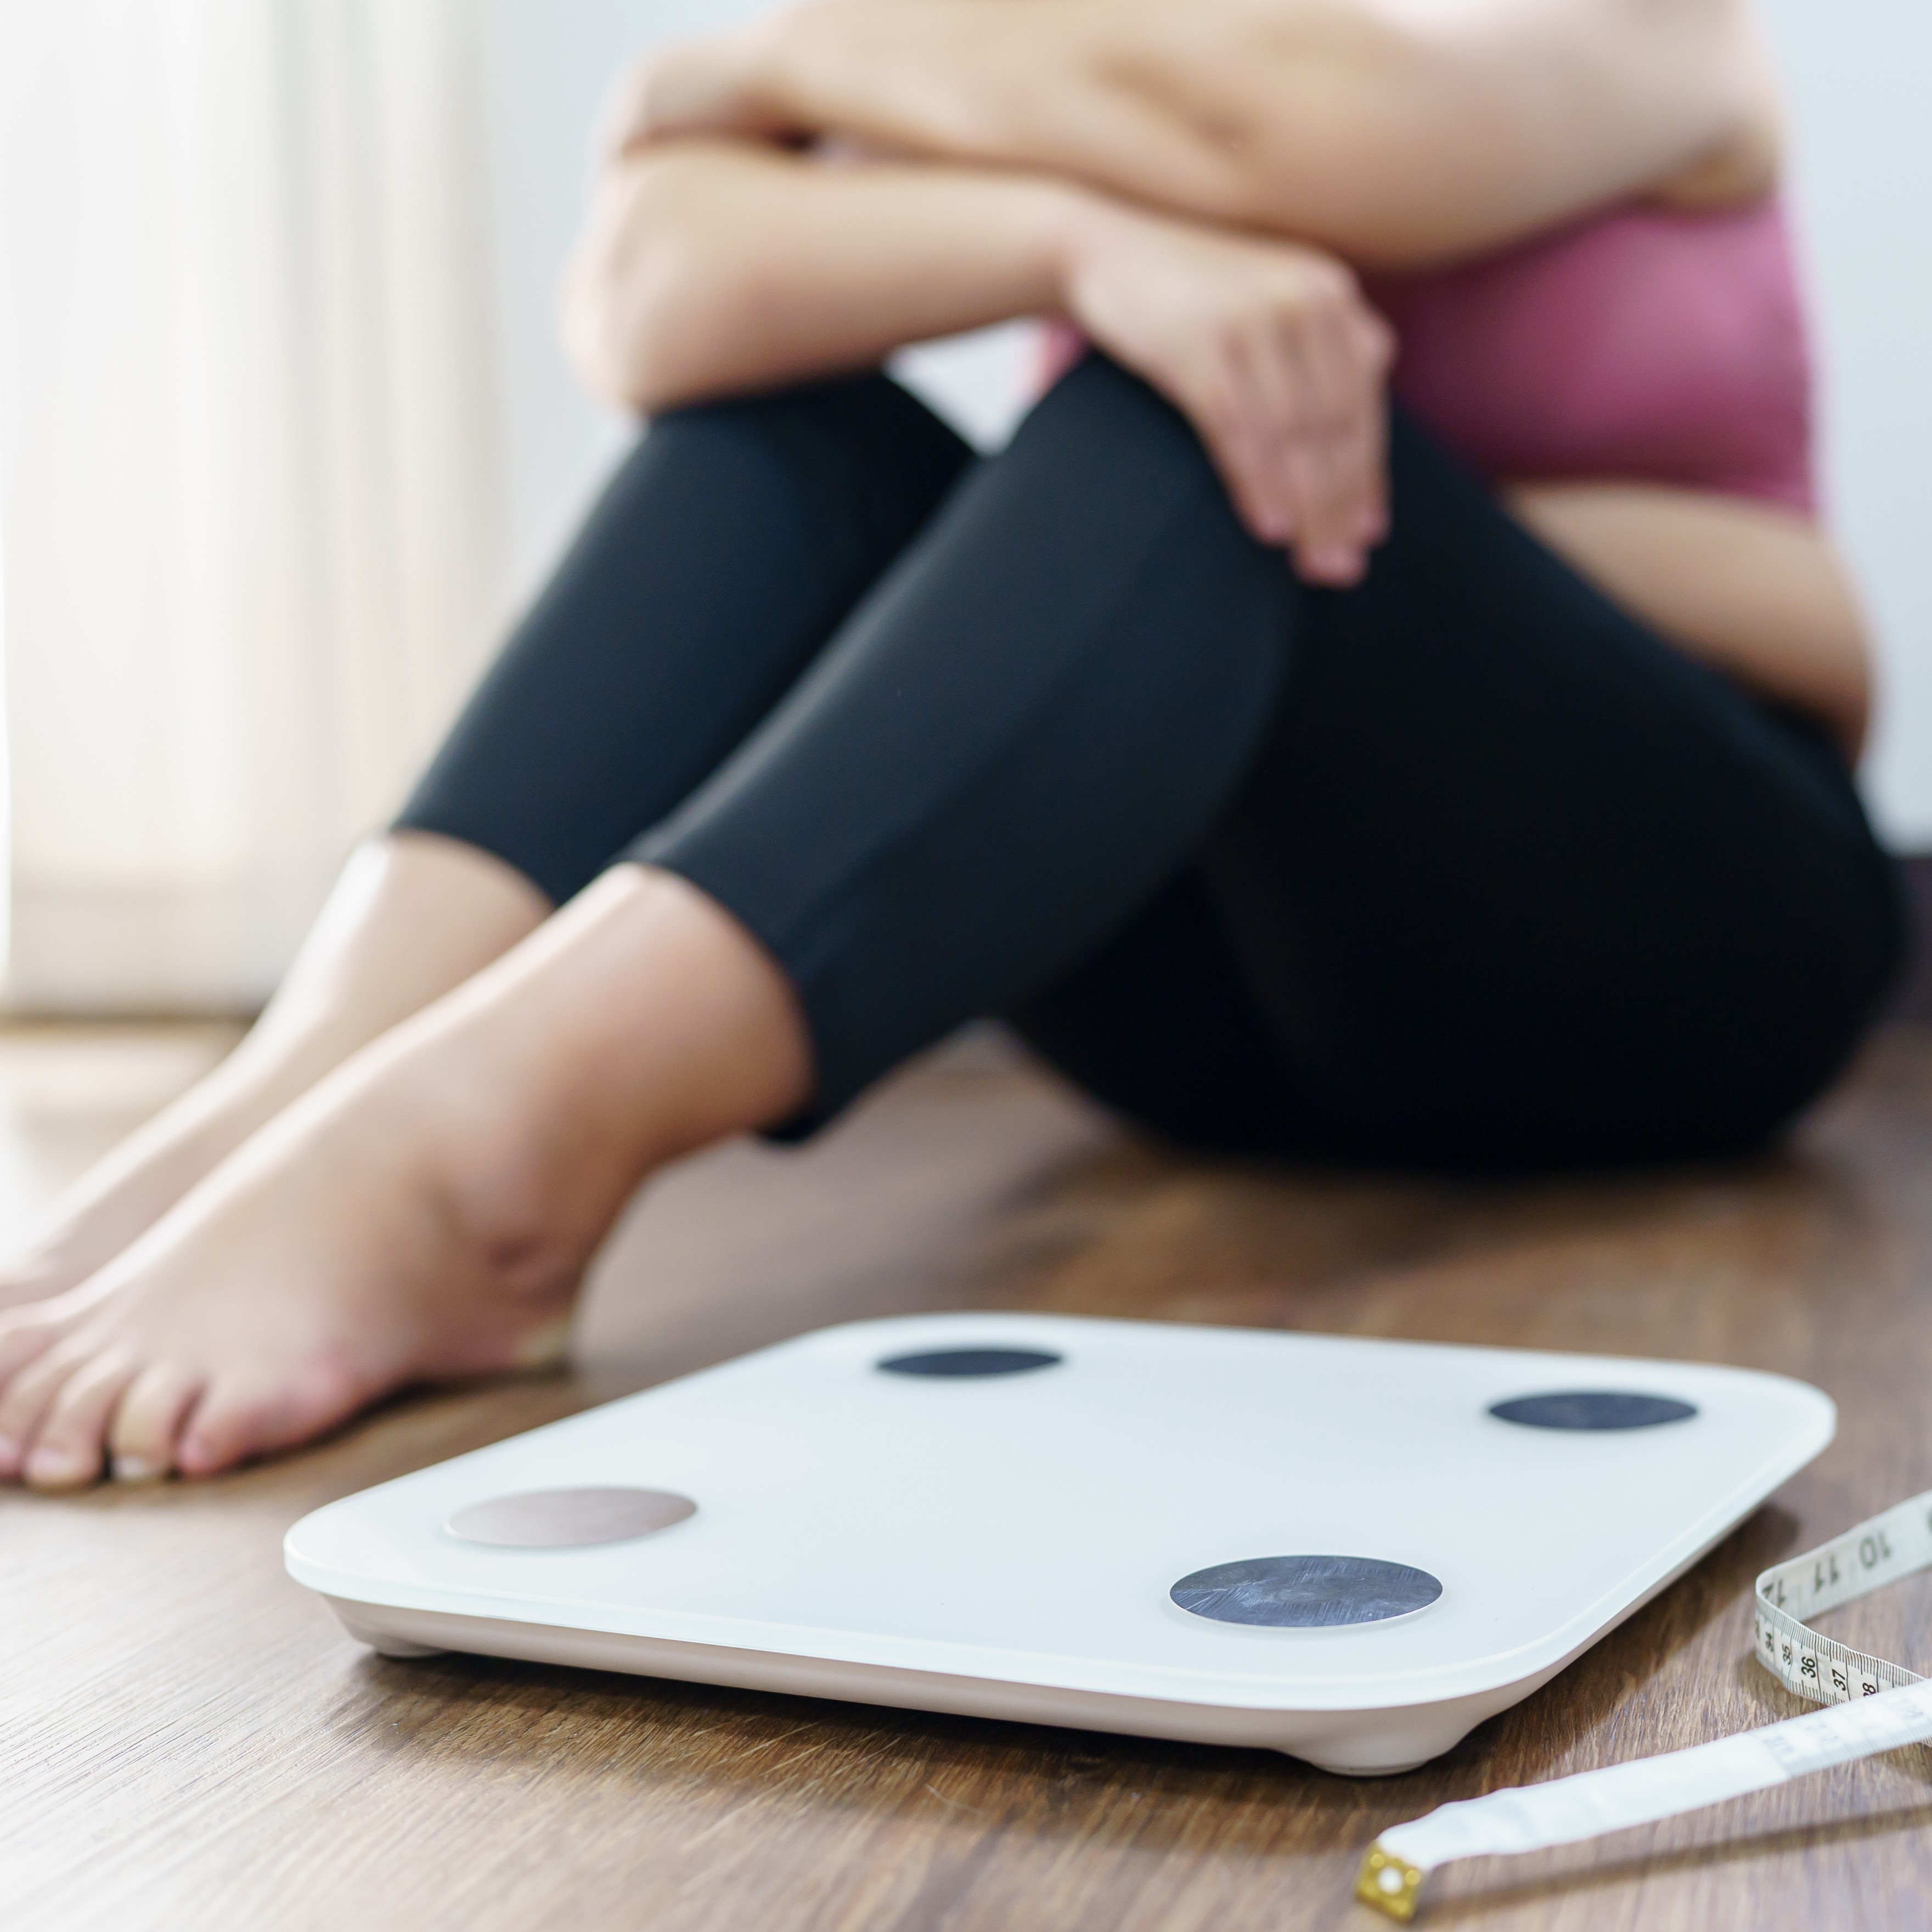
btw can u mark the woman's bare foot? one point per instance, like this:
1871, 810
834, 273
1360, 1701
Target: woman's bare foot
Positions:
414, 916
368, 1241
425, 1212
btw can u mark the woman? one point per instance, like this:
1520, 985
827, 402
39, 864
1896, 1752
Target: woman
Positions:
1505, 822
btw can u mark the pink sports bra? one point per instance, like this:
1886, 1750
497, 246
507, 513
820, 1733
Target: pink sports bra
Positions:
1646, 344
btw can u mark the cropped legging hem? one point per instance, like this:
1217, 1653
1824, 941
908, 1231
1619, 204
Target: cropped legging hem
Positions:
1462, 868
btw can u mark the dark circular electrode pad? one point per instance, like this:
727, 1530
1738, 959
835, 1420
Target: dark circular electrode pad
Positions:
1306, 1592
569, 1519
970, 1362
1593, 1408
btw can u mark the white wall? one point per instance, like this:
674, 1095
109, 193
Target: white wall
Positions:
547, 68
249, 470
1855, 74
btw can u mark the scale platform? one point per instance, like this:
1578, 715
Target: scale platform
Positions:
1351, 1550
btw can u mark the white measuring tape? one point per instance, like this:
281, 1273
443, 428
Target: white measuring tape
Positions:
1874, 1706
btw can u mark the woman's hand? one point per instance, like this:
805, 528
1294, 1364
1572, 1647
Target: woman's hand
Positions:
703, 86
1270, 351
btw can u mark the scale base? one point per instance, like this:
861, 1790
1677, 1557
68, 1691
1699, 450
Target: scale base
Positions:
1353, 1744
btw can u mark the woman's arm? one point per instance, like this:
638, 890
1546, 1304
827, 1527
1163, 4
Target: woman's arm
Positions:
706, 268
1394, 132
711, 267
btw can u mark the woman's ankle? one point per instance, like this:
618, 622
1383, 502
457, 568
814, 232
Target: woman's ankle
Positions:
683, 1029
641, 1023
122, 1195
413, 915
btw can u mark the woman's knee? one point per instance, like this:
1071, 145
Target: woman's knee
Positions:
861, 440
1099, 412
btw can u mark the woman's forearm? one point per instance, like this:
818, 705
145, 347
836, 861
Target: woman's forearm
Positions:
709, 268
1392, 133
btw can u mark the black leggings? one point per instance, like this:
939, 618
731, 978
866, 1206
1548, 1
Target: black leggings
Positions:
1463, 868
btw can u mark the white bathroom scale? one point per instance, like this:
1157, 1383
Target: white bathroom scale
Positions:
1351, 1550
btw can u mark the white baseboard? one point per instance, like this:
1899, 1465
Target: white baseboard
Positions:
180, 949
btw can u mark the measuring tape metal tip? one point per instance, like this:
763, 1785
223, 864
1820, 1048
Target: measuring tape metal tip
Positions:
1869, 1705
1389, 1884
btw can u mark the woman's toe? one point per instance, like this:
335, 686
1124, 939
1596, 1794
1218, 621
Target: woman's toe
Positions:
26, 1401
67, 1447
146, 1431
228, 1425
235, 1419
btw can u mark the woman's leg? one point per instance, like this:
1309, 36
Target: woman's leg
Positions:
424, 1211
1039, 715
1513, 885
721, 556
1519, 886
411, 917
1027, 725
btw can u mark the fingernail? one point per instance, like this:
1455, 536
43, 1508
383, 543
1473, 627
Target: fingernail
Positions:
60, 1469
137, 1469
1335, 565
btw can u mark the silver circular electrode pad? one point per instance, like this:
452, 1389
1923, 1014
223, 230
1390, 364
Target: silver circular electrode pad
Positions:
1593, 1409
1306, 1592
568, 1519
951, 1363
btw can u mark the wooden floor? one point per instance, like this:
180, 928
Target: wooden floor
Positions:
187, 1740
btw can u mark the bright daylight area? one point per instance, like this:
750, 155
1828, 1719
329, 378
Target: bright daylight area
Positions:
964, 965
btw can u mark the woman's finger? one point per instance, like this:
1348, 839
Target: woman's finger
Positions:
1223, 405
1346, 351
1364, 347
1309, 413
1347, 424
1360, 456
1276, 389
